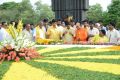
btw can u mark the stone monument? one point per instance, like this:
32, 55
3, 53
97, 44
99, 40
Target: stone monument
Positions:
75, 8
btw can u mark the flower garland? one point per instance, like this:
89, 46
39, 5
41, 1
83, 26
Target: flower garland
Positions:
10, 54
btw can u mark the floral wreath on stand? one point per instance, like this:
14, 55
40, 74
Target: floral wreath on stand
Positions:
19, 47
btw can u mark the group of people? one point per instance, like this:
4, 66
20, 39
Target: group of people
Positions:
68, 31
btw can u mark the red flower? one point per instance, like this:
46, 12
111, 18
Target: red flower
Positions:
29, 54
9, 58
26, 52
22, 54
13, 54
17, 59
22, 50
3, 50
6, 55
1, 55
27, 58
10, 53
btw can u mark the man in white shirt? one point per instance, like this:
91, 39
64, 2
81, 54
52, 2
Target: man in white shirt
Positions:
68, 34
40, 31
113, 34
93, 31
102, 27
45, 24
60, 27
28, 32
4, 35
1, 33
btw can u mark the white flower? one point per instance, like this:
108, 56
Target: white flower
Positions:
19, 42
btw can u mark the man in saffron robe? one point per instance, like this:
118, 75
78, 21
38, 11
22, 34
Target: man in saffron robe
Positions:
81, 33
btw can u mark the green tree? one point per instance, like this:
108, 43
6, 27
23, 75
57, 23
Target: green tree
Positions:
43, 11
8, 15
25, 11
14, 11
95, 12
114, 12
105, 18
8, 5
8, 11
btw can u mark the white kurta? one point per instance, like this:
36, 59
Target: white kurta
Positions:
42, 33
68, 37
61, 30
28, 34
4, 35
113, 36
94, 31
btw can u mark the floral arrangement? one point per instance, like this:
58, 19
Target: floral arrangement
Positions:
9, 53
48, 41
18, 48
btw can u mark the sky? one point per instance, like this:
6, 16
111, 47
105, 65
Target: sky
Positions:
104, 3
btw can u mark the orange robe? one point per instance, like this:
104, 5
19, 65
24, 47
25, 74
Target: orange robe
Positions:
81, 35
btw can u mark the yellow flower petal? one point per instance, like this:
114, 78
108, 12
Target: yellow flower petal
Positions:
92, 66
92, 57
23, 71
49, 49
87, 51
114, 48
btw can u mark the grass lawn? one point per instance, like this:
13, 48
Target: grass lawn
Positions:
65, 64
4, 67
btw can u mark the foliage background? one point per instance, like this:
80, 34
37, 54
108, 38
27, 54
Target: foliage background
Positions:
11, 11
96, 13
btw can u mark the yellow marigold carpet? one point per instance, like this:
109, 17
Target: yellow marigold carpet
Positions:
114, 48
92, 57
23, 71
100, 67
